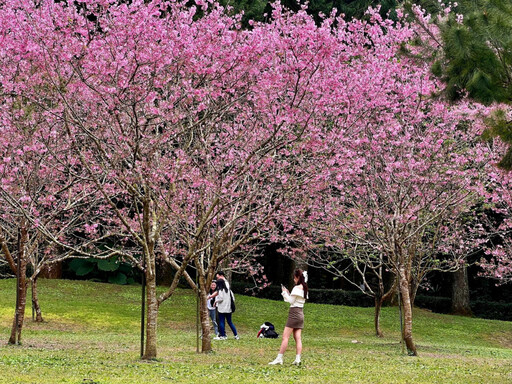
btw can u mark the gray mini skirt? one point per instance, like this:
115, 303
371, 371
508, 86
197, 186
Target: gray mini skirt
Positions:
295, 318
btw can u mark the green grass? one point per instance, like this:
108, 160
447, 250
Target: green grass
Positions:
91, 335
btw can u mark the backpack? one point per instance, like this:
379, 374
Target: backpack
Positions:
267, 331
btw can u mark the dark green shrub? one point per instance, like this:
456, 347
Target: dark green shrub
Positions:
341, 297
320, 296
107, 270
434, 303
492, 310
480, 308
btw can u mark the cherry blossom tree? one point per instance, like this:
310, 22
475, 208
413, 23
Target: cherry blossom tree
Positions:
413, 180
41, 198
405, 168
498, 262
192, 140
439, 35
194, 134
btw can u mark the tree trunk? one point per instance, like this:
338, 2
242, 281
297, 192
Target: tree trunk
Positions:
380, 298
407, 308
35, 301
227, 270
21, 288
151, 314
204, 280
6, 252
206, 344
413, 289
460, 293
22, 292
52, 271
164, 274
298, 263
378, 307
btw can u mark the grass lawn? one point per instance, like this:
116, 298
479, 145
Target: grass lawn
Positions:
91, 335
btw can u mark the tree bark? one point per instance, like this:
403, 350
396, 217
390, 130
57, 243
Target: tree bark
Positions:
380, 298
152, 312
35, 301
6, 252
52, 271
21, 287
413, 290
227, 270
297, 264
460, 293
204, 279
206, 343
22, 292
407, 308
378, 307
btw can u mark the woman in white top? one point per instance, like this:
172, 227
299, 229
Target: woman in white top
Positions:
295, 321
224, 310
212, 308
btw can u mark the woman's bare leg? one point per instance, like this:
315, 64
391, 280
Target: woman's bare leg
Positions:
286, 336
297, 335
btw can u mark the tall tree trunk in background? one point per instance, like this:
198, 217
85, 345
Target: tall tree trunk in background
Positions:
52, 271
21, 287
226, 269
413, 289
378, 306
407, 308
300, 264
297, 264
379, 300
6, 252
460, 293
35, 301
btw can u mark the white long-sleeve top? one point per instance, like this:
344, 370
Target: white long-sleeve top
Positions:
295, 298
224, 301
210, 304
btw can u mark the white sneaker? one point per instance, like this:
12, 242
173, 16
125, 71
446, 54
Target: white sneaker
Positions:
220, 338
237, 337
296, 362
278, 360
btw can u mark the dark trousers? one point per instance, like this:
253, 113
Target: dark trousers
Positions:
222, 324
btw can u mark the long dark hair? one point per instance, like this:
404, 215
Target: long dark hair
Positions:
300, 276
221, 285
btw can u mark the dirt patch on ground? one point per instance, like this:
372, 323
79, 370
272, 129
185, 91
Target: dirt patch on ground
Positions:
501, 339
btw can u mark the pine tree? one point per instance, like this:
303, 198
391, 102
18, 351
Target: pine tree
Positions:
478, 60
259, 10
